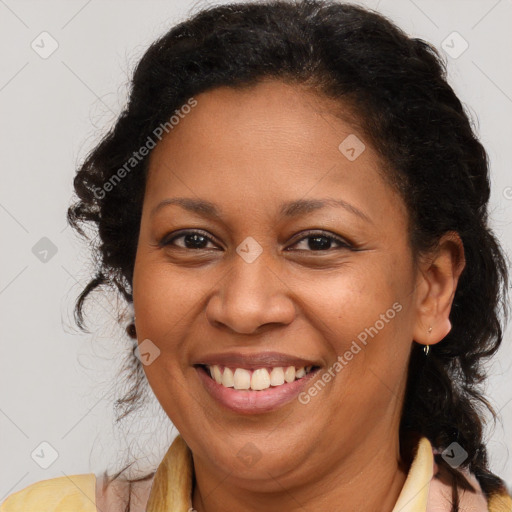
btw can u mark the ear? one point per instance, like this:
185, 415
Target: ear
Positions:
438, 276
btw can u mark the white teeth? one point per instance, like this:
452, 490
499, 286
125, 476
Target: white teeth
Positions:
227, 378
276, 376
289, 374
242, 379
217, 374
259, 379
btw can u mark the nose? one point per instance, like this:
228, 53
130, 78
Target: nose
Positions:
250, 296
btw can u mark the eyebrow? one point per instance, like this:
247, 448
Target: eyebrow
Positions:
288, 209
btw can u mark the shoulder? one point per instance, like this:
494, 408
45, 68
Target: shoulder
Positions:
116, 494
61, 494
500, 502
471, 497
80, 493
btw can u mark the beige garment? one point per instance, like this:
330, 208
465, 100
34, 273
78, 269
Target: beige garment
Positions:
170, 490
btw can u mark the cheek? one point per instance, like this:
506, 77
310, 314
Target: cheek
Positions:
364, 317
166, 301
166, 297
352, 297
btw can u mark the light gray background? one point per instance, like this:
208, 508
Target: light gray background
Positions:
56, 382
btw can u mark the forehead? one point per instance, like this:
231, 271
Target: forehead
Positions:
268, 142
270, 115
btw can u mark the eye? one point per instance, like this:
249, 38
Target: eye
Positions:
317, 241
321, 241
191, 240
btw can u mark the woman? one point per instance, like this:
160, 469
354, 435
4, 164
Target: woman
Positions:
295, 205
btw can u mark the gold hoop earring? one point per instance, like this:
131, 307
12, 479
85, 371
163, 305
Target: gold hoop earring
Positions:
426, 349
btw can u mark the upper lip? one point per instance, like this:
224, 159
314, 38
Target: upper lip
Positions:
257, 360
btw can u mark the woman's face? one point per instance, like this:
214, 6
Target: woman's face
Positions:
264, 279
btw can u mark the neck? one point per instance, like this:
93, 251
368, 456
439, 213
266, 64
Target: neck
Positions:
369, 479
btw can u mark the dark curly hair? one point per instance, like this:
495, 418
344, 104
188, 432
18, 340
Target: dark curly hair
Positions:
397, 89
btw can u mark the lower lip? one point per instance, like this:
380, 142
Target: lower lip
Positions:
254, 402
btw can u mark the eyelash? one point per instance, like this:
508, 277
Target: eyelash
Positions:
165, 242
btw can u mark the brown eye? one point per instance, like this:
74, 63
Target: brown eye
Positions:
321, 241
191, 240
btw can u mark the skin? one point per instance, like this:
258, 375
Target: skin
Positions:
248, 151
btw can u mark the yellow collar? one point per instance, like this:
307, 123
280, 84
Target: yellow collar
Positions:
172, 484
414, 494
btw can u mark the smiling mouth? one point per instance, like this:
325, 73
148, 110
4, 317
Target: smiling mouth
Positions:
258, 379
